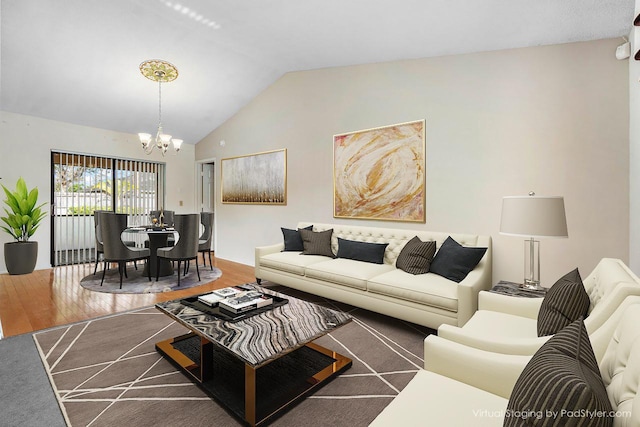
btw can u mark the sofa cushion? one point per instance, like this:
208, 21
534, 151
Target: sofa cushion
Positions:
290, 262
455, 261
562, 383
292, 239
564, 303
416, 256
428, 289
346, 272
361, 251
316, 242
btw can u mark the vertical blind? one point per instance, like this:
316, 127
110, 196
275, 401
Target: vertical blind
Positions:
81, 184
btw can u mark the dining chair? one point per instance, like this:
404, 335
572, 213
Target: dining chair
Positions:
204, 243
186, 248
111, 227
100, 246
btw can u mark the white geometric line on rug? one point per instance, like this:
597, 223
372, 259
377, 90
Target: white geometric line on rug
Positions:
125, 390
358, 396
72, 395
64, 334
140, 399
378, 334
122, 356
411, 371
80, 368
364, 363
66, 350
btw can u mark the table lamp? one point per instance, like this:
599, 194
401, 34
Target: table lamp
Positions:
534, 217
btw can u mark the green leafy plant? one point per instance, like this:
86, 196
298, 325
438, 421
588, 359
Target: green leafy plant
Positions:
25, 216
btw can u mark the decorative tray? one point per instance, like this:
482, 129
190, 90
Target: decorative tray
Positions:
227, 316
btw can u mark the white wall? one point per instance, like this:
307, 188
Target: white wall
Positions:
634, 148
550, 119
26, 143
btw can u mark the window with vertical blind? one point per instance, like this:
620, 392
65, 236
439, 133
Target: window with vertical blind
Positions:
81, 184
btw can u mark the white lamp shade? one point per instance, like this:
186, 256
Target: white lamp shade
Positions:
144, 138
177, 143
533, 216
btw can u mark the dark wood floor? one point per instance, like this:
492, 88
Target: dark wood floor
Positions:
53, 297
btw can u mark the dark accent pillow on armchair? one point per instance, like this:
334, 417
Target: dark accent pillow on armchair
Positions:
361, 251
455, 261
292, 239
317, 242
565, 301
416, 256
561, 381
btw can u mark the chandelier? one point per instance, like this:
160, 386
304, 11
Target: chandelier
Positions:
161, 72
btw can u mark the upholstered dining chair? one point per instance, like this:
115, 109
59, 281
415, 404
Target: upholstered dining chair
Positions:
186, 248
99, 245
204, 243
111, 227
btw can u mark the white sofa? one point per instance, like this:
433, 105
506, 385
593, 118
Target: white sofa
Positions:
506, 324
426, 299
464, 386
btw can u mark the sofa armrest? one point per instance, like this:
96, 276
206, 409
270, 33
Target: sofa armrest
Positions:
492, 372
524, 307
504, 345
477, 280
261, 251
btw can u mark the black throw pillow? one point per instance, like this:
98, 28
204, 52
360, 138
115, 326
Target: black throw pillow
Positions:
455, 261
565, 301
416, 256
317, 242
561, 385
292, 239
361, 251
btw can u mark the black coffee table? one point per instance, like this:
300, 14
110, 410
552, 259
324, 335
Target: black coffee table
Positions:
259, 366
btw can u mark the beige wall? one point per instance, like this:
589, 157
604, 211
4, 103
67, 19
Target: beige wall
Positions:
551, 119
634, 148
26, 143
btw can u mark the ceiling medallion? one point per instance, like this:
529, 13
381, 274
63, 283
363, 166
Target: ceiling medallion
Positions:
159, 70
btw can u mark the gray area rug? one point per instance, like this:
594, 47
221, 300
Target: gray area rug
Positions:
136, 283
26, 396
107, 372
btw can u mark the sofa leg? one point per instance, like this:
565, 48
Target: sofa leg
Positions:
258, 281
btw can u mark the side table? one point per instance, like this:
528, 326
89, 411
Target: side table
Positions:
517, 290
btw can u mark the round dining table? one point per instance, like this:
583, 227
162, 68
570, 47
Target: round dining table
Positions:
158, 238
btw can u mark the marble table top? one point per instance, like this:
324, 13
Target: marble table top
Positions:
266, 336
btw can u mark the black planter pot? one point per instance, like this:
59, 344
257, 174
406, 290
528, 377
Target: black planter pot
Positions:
20, 257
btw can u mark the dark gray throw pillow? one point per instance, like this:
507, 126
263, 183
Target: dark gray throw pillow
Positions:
566, 301
561, 385
292, 239
416, 256
455, 261
361, 251
317, 242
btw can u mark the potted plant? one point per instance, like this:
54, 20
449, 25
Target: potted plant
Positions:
21, 222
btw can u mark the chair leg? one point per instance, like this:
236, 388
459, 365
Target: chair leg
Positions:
104, 270
197, 269
135, 264
95, 269
179, 272
124, 268
210, 263
121, 266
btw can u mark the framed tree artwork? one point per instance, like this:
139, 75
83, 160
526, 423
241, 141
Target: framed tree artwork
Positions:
259, 178
380, 173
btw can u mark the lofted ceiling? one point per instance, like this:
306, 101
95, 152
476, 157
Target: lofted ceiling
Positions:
77, 61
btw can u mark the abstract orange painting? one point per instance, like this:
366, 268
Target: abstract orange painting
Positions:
380, 173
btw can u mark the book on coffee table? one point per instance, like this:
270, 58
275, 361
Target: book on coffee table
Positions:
213, 298
245, 301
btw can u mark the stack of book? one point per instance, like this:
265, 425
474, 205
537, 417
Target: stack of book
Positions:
236, 300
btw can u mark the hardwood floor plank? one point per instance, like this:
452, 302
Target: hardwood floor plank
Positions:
54, 297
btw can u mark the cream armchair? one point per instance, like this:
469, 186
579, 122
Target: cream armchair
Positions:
461, 385
506, 324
